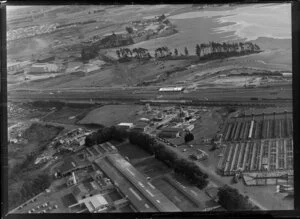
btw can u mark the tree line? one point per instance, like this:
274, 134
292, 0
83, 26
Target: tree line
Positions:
162, 152
203, 50
140, 53
106, 134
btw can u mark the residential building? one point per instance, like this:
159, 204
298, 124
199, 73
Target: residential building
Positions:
93, 204
140, 127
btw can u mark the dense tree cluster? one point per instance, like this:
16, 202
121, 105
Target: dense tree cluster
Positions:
231, 199
129, 30
162, 52
184, 167
188, 137
142, 140
89, 53
19, 167
213, 49
115, 40
106, 134
127, 54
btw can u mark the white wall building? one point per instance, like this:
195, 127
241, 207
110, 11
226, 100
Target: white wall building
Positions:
43, 68
171, 89
287, 74
126, 125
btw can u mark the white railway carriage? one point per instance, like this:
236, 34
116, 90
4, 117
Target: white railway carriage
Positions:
251, 129
171, 89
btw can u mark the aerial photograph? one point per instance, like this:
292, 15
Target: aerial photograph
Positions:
149, 108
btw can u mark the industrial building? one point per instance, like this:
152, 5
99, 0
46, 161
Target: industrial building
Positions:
130, 182
170, 132
287, 74
43, 68
140, 127
91, 203
85, 189
144, 120
96, 203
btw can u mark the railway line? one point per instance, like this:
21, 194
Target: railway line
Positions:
209, 96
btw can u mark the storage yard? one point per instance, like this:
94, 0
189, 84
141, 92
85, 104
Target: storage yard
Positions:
263, 126
258, 143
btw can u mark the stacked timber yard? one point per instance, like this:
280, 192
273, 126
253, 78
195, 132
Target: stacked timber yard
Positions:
131, 109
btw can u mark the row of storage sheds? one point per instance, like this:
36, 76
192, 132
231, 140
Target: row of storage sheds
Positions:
177, 89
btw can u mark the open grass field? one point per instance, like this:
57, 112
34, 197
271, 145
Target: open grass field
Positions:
67, 115
37, 136
109, 115
131, 151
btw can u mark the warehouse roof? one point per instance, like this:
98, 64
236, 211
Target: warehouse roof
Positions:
94, 202
125, 124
